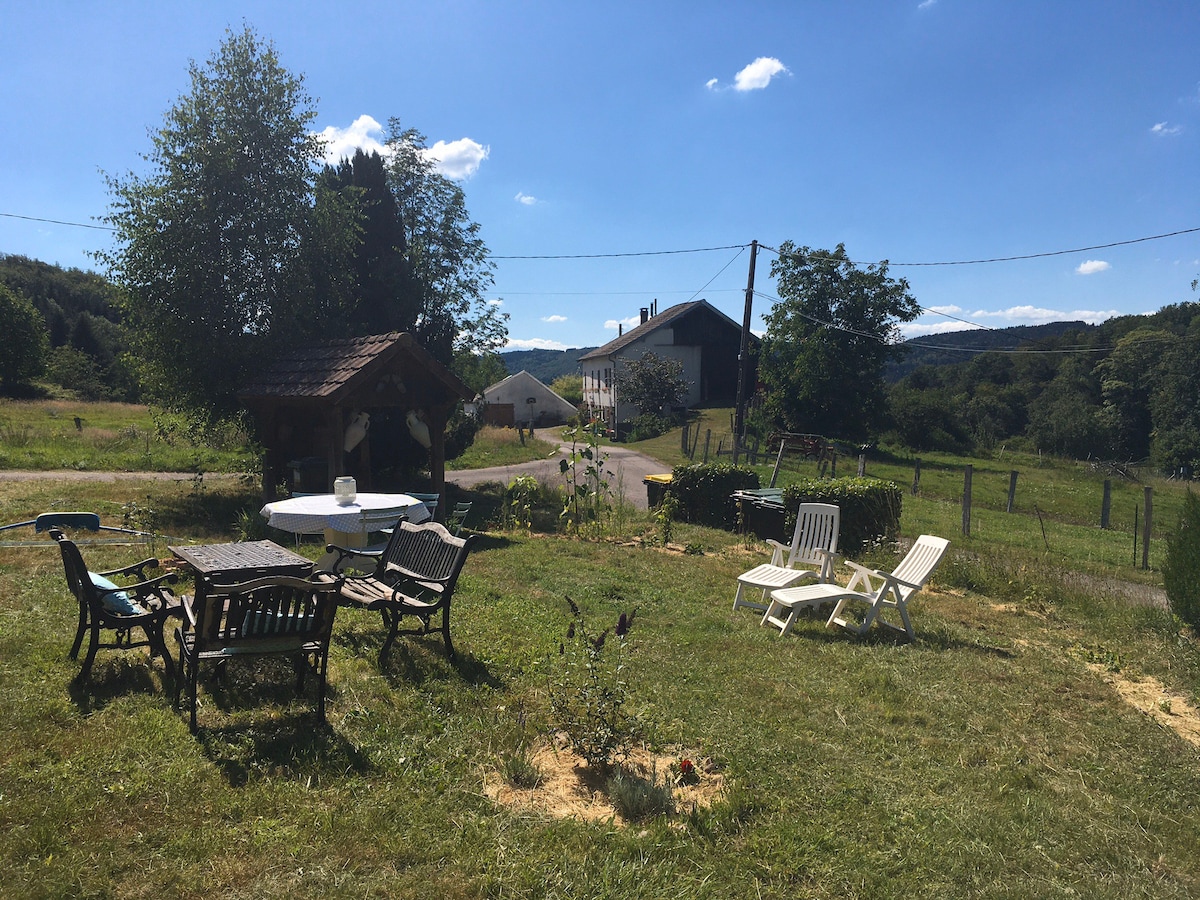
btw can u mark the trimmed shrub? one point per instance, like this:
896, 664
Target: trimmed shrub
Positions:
870, 508
704, 492
1181, 571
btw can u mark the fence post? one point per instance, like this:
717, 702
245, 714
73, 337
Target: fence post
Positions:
683, 439
966, 506
862, 464
916, 476
1106, 504
1146, 527
778, 462
1012, 489
707, 439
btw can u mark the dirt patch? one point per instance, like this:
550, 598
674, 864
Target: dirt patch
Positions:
569, 790
1148, 695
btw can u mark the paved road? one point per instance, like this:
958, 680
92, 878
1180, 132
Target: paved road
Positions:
628, 468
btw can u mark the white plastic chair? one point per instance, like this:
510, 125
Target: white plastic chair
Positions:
811, 555
879, 590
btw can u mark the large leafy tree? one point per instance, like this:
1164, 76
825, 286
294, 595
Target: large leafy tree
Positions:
214, 243
447, 258
828, 339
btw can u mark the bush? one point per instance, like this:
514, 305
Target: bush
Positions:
1181, 571
704, 492
870, 508
646, 426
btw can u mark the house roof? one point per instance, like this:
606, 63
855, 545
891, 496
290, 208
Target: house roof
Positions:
664, 318
332, 369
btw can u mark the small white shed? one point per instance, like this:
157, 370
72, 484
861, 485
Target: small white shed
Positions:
521, 399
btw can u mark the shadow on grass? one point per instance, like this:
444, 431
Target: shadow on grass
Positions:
115, 677
414, 659
937, 639
296, 747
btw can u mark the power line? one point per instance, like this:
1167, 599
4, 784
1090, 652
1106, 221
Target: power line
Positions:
57, 222
996, 259
619, 255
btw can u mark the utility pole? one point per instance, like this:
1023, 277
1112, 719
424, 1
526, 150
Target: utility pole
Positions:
744, 358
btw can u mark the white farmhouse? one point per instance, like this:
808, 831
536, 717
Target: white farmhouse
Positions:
697, 333
521, 399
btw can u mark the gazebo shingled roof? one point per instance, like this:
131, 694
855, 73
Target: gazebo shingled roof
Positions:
335, 377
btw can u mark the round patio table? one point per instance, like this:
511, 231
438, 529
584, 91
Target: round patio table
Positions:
343, 524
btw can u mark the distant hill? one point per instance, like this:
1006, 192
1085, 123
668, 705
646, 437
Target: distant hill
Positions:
544, 365
928, 350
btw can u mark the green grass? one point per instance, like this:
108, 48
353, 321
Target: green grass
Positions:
120, 437
495, 446
985, 759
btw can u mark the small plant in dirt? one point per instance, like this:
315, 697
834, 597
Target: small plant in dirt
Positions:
636, 797
685, 771
1181, 571
589, 697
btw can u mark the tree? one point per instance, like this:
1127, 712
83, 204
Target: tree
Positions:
1174, 413
446, 256
23, 350
828, 339
210, 243
386, 297
652, 383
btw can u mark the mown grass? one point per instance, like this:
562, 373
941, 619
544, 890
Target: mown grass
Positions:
120, 437
495, 446
987, 758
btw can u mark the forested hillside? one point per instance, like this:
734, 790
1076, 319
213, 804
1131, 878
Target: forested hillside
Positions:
959, 346
82, 324
544, 365
1124, 390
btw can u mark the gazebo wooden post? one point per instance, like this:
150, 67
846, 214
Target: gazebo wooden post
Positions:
337, 457
268, 424
438, 417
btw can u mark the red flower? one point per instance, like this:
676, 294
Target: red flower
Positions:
686, 767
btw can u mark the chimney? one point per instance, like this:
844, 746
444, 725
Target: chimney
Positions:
645, 314
620, 328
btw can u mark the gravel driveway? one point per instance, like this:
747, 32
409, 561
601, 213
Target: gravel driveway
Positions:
628, 468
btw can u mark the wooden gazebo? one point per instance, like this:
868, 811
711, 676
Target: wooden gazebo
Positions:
309, 406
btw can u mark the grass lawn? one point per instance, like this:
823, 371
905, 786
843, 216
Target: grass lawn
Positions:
995, 756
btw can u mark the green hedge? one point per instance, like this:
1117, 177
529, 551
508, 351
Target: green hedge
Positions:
870, 508
704, 492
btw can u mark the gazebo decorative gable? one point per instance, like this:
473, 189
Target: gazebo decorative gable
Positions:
305, 402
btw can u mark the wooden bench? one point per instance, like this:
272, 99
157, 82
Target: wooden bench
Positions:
415, 575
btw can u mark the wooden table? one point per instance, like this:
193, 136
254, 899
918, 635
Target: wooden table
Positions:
242, 561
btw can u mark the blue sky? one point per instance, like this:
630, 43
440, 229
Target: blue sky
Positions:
917, 131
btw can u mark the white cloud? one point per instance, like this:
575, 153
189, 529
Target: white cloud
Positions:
925, 4
525, 198
1092, 266
535, 344
917, 329
554, 318
458, 160
340, 143
758, 74
949, 310
1162, 129
711, 84
631, 322
496, 302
